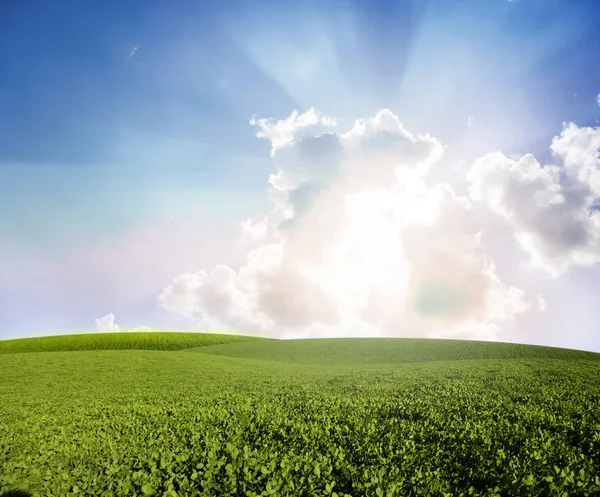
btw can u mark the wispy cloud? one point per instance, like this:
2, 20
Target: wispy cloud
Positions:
142, 328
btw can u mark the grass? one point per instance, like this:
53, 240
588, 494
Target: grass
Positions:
372, 417
116, 341
378, 351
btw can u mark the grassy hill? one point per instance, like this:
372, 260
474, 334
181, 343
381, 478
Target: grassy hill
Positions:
181, 414
124, 340
321, 351
379, 351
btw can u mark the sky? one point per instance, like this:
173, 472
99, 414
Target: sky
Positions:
409, 168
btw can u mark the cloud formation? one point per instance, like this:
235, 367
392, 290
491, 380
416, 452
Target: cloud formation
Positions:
284, 132
361, 242
552, 211
579, 149
106, 323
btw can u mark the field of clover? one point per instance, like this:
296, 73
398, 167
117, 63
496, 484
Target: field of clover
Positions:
177, 423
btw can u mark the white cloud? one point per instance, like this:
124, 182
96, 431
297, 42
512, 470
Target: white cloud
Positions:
106, 323
579, 148
133, 51
550, 210
470, 121
214, 299
453, 282
283, 132
253, 231
598, 99
361, 240
377, 146
359, 244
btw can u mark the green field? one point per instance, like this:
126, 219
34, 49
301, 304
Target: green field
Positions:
118, 341
214, 415
380, 351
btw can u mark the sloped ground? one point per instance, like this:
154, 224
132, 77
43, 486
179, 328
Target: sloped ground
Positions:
123, 340
377, 351
148, 422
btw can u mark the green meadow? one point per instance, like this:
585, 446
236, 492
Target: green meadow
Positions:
185, 414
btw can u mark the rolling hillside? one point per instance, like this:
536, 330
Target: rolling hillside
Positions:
379, 351
183, 414
331, 351
154, 340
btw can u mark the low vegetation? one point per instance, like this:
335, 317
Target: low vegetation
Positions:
358, 417
380, 351
118, 341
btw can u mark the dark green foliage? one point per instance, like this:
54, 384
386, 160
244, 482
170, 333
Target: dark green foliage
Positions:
181, 423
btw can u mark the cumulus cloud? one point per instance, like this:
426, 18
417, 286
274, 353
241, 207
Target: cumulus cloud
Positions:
551, 210
453, 281
284, 132
359, 244
106, 323
254, 231
579, 148
214, 299
378, 146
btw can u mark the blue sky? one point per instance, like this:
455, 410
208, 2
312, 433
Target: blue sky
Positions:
120, 117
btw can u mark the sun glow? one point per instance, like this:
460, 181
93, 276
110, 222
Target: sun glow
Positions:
363, 238
367, 257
